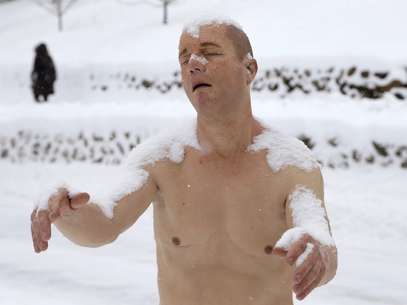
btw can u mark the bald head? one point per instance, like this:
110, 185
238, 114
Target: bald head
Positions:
233, 31
240, 41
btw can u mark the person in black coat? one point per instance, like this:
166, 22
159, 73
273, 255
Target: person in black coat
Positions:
43, 74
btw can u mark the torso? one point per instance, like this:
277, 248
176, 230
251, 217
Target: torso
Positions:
216, 221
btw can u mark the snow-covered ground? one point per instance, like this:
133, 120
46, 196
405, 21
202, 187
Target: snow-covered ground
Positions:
366, 204
367, 208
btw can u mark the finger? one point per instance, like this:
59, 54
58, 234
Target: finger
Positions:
311, 287
65, 207
34, 239
54, 204
306, 266
33, 214
70, 204
279, 252
53, 208
308, 278
61, 204
35, 231
54, 215
79, 200
296, 249
45, 225
42, 245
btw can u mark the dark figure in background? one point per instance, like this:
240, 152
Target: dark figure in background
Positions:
43, 75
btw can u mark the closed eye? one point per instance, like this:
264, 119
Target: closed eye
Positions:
185, 60
212, 54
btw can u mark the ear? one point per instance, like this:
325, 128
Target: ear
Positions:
251, 68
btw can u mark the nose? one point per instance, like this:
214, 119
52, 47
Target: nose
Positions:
195, 69
196, 66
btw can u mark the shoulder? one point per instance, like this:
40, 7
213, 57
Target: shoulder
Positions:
284, 151
168, 145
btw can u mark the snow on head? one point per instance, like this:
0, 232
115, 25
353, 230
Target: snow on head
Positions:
283, 150
194, 27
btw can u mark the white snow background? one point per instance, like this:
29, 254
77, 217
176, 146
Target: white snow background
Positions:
367, 205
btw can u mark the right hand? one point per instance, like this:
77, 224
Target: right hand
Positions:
60, 204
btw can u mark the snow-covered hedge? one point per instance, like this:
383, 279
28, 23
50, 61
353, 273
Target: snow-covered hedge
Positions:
108, 82
353, 81
112, 147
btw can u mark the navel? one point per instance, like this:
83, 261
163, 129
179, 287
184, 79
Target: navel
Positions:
268, 249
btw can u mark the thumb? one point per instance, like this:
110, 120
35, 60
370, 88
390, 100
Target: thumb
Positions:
279, 251
78, 200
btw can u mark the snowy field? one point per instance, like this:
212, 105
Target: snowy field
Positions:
366, 204
367, 208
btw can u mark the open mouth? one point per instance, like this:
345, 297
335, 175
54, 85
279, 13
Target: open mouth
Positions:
200, 85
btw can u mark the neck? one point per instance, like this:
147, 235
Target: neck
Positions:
227, 136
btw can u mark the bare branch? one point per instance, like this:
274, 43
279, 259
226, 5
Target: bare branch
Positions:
46, 7
68, 6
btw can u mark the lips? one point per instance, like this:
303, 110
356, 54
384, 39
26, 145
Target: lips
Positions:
200, 85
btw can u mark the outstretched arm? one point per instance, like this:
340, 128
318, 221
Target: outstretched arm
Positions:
84, 223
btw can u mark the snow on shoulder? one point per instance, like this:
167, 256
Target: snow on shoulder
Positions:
169, 144
283, 150
193, 27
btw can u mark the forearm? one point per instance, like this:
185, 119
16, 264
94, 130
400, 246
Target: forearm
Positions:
330, 259
88, 227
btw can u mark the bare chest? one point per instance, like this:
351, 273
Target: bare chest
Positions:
220, 213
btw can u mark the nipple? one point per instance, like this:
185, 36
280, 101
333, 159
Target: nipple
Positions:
176, 241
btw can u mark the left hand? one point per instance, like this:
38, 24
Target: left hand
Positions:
311, 271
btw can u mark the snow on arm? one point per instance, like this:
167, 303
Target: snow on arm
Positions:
132, 176
308, 217
307, 210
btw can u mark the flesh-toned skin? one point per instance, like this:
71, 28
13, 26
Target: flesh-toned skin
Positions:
217, 214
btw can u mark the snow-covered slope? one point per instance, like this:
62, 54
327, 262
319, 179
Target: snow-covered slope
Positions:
105, 41
108, 30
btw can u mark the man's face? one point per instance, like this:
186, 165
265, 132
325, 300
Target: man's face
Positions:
213, 75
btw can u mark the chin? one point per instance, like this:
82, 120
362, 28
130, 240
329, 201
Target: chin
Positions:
202, 99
